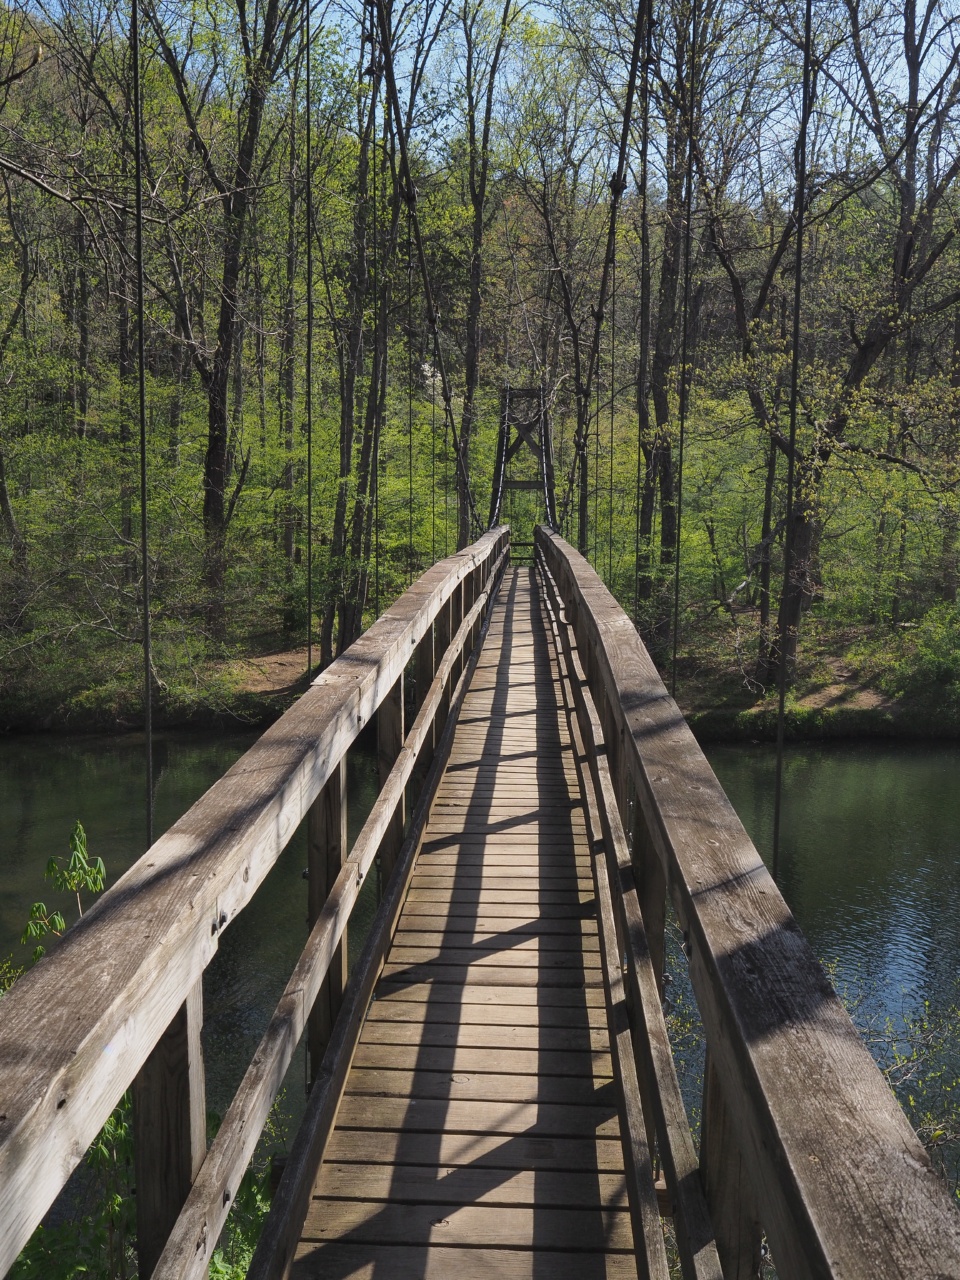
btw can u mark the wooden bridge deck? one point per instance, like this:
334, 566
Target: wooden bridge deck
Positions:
478, 1134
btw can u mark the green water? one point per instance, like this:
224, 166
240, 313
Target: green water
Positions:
47, 783
869, 859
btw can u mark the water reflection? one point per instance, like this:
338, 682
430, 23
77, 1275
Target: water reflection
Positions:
47, 783
870, 857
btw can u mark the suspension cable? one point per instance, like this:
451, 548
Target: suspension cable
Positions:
684, 342
409, 194
800, 220
645, 297
375, 356
142, 412
613, 401
409, 401
618, 184
308, 96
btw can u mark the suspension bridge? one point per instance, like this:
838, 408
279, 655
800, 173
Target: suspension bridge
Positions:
493, 1087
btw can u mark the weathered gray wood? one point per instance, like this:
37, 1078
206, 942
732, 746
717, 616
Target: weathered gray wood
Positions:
485, 1150
116, 981
390, 735
458, 1184
834, 1160
566, 1229
169, 1128
198, 1227
278, 1241
399, 1262
532, 1095
326, 854
641, 1192
727, 1182
665, 1114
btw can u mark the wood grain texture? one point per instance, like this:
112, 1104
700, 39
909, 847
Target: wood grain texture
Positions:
844, 1186
480, 1112
116, 981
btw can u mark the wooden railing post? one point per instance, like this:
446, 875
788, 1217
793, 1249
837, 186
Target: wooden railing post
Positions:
651, 889
442, 634
456, 617
169, 1128
726, 1182
390, 736
326, 854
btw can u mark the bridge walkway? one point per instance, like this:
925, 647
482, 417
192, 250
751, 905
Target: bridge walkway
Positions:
478, 1134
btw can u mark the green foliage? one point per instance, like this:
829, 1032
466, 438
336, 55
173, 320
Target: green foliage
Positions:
80, 875
927, 666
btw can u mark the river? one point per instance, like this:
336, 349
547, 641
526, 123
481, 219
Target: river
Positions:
870, 862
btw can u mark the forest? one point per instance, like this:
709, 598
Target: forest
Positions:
328, 346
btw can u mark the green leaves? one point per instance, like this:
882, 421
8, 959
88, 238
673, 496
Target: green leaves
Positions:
80, 874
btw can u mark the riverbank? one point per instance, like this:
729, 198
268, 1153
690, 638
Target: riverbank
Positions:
833, 699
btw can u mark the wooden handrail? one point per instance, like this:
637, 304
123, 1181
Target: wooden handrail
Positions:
617, 896
801, 1134
76, 1030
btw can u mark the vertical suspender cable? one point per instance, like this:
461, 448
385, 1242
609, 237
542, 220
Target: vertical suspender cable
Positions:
433, 470
684, 341
613, 401
309, 370
375, 366
644, 287
142, 410
596, 476
799, 220
409, 396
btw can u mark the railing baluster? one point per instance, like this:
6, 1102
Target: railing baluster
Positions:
652, 891
727, 1184
326, 854
389, 741
169, 1128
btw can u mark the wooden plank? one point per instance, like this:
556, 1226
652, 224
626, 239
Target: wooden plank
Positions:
431, 903
532, 937
479, 1086
459, 1184
522, 957
478, 1226
726, 1180
490, 975
390, 735
456, 1034
500, 1060
418, 917
477, 994
371, 1262
520, 1151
